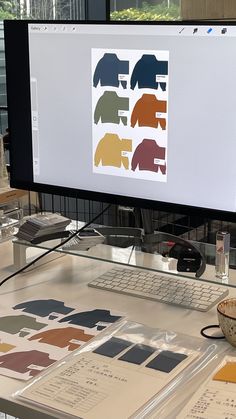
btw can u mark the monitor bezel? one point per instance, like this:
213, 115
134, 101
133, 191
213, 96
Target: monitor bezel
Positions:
18, 86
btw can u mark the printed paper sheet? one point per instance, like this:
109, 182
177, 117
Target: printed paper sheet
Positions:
111, 378
216, 398
36, 333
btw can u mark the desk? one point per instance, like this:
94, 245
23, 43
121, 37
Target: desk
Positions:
66, 278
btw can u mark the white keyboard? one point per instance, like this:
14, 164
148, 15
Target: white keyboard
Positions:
186, 293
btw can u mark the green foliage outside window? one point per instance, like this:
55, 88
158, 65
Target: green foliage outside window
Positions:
149, 12
6, 9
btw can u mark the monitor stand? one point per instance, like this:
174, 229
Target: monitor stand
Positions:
190, 258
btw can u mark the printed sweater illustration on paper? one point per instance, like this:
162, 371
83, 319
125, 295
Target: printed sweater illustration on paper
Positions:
109, 151
146, 71
108, 69
43, 307
108, 106
62, 337
145, 112
22, 361
6, 347
14, 324
146, 154
91, 318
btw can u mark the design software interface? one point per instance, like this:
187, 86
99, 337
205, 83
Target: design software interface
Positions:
146, 111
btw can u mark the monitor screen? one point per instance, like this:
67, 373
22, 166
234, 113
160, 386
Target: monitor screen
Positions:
139, 114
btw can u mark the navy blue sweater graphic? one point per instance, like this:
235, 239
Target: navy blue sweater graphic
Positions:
91, 318
145, 72
108, 70
43, 307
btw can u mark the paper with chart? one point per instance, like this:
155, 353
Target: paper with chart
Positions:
216, 398
113, 377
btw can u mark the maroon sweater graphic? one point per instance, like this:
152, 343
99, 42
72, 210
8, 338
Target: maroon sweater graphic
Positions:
146, 157
21, 361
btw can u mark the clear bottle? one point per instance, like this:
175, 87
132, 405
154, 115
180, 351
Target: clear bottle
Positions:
222, 255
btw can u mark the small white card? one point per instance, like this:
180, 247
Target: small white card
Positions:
160, 162
160, 115
162, 78
122, 77
122, 113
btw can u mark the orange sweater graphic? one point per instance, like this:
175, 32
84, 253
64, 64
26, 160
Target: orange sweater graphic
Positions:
110, 150
145, 112
62, 337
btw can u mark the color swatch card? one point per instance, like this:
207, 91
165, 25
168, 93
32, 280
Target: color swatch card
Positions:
36, 333
227, 373
117, 373
216, 398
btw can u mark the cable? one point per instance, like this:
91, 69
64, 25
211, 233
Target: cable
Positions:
211, 326
55, 247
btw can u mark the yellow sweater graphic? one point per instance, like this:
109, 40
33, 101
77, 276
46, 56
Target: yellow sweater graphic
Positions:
110, 150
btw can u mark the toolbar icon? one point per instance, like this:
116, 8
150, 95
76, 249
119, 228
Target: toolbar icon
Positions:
209, 30
224, 31
195, 31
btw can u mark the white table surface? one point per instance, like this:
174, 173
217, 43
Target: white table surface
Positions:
66, 278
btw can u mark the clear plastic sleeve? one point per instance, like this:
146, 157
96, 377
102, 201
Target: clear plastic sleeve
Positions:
127, 371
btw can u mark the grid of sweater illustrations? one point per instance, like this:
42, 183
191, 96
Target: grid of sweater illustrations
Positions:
130, 113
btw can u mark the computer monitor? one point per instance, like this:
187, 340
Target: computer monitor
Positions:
133, 113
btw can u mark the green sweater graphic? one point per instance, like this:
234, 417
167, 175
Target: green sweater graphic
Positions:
14, 324
108, 107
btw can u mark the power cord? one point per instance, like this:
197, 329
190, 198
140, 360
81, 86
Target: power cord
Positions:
55, 247
208, 336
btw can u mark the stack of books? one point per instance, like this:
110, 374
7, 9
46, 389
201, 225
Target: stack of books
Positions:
44, 227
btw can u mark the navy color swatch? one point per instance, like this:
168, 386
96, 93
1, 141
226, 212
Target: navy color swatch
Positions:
112, 347
166, 361
138, 354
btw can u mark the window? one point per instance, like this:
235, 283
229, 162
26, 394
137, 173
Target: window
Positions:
145, 10
42, 9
